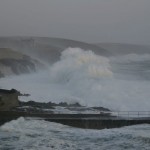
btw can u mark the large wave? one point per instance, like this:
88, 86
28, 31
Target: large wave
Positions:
76, 65
84, 77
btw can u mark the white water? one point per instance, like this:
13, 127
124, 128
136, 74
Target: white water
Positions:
118, 83
32, 134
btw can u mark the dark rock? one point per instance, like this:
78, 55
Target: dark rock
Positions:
36, 104
100, 108
75, 105
64, 104
8, 99
32, 106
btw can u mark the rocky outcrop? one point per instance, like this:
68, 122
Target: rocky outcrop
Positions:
63, 107
8, 99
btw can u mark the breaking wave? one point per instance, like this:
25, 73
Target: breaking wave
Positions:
92, 80
76, 65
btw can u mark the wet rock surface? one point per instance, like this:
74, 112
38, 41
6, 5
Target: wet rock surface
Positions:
61, 107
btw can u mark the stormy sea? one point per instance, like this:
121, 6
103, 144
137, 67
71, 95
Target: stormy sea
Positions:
116, 82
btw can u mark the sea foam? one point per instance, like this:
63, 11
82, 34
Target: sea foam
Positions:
84, 77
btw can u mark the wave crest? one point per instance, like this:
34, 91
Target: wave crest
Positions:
76, 63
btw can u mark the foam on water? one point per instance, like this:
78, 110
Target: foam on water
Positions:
92, 80
32, 134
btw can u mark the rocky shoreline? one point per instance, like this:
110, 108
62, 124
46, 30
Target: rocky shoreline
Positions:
50, 107
74, 115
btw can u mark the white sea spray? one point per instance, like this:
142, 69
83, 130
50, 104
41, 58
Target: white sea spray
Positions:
92, 80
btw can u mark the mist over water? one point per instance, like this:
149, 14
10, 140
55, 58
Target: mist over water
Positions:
118, 83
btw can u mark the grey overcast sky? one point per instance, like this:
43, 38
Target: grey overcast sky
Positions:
125, 21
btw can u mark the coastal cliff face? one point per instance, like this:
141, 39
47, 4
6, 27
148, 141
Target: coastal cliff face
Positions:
46, 49
15, 63
8, 99
14, 66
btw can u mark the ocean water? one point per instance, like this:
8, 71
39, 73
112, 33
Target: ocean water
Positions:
118, 83
29, 134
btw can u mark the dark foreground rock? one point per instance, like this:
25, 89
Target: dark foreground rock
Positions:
8, 99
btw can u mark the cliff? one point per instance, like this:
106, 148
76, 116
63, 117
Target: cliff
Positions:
45, 48
12, 62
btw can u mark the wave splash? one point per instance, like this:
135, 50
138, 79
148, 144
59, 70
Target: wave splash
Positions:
80, 72
84, 77
90, 81
77, 64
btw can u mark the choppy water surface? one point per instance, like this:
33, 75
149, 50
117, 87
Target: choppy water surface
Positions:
26, 134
